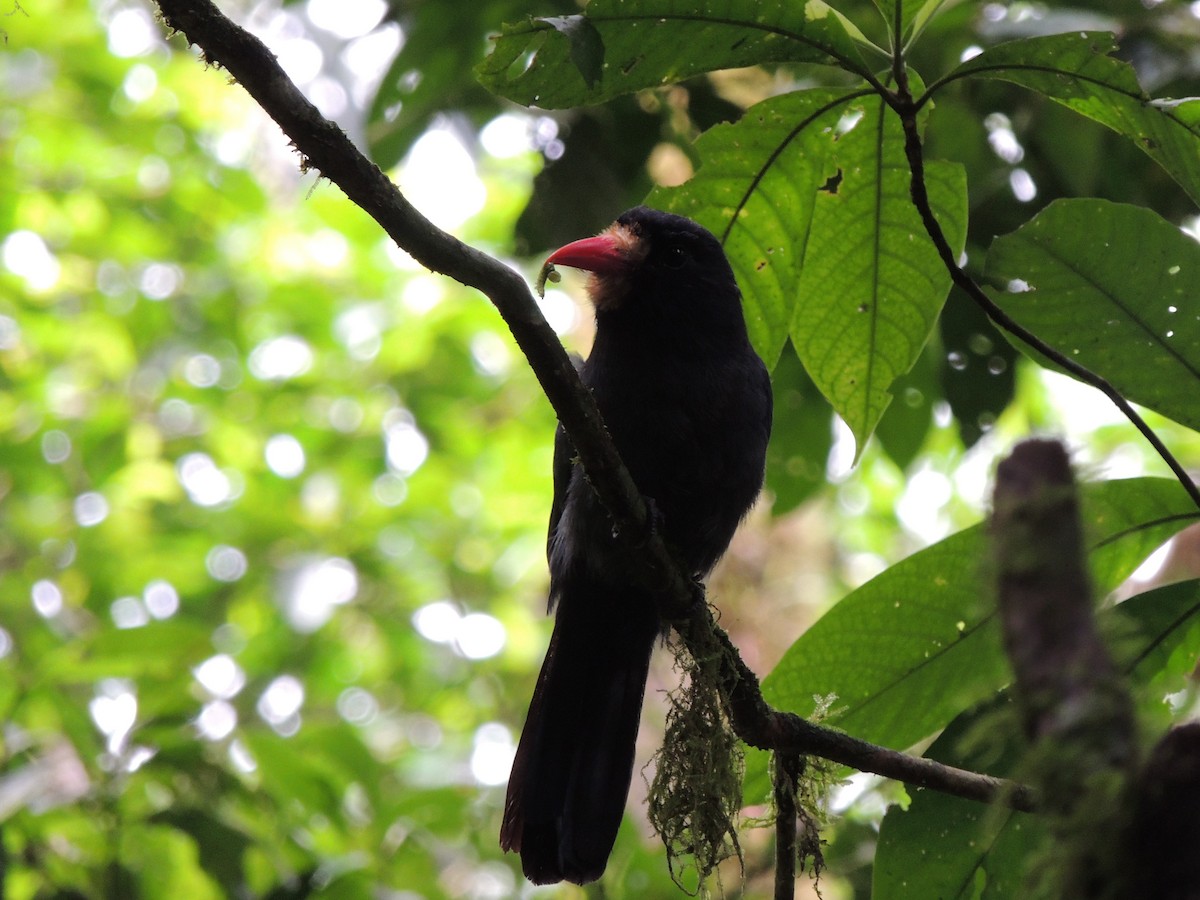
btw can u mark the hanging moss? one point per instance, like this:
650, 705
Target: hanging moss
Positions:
697, 789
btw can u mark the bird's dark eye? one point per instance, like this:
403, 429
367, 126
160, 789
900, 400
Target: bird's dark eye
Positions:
675, 256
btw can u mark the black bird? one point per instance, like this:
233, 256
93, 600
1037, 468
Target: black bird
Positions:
688, 404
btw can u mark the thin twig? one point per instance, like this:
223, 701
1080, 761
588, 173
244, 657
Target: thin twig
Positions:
326, 148
787, 773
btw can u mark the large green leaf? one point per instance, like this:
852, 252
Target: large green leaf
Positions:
903, 430
756, 189
966, 849
810, 195
1075, 70
954, 849
620, 46
872, 283
1114, 288
918, 644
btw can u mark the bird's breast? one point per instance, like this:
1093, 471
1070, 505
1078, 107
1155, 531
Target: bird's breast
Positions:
690, 432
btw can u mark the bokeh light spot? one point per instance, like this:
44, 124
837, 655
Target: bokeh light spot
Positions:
492, 755
220, 676
284, 455
315, 588
225, 563
90, 509
47, 598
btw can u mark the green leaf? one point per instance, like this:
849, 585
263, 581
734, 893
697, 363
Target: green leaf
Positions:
587, 47
916, 17
964, 846
650, 43
1075, 70
221, 847
801, 436
915, 646
158, 650
918, 644
756, 189
909, 12
809, 192
1110, 286
954, 849
872, 283
907, 423
289, 774
1162, 639
167, 863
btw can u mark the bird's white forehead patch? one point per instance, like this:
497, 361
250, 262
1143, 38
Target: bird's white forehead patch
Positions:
628, 241
608, 291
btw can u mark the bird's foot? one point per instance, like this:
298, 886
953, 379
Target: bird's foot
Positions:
654, 521
654, 518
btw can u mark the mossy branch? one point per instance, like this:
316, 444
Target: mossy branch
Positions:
1075, 708
324, 147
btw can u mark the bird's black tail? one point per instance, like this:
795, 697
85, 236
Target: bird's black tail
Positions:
571, 774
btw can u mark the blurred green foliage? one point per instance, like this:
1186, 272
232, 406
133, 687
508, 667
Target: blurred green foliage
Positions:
273, 498
244, 442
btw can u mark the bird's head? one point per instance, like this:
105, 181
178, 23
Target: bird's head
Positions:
652, 257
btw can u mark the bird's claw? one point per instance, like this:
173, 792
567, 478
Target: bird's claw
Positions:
654, 518
654, 521
699, 597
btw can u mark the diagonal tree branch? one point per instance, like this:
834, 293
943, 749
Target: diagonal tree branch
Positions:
326, 148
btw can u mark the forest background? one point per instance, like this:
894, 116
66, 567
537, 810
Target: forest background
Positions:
273, 496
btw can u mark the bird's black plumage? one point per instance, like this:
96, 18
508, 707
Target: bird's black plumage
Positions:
688, 404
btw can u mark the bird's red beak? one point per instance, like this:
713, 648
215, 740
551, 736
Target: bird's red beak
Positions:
611, 256
604, 254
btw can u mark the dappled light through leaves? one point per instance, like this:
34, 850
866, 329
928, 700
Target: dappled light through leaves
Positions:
273, 494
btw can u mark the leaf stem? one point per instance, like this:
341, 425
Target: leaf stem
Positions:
907, 108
